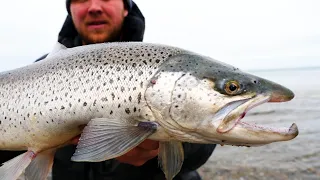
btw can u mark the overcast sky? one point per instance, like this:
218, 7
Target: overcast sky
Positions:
248, 34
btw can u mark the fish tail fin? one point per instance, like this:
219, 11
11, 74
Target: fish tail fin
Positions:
36, 166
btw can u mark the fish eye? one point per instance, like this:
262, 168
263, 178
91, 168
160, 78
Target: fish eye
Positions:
232, 87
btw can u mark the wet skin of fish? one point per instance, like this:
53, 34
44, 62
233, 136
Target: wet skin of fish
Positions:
116, 95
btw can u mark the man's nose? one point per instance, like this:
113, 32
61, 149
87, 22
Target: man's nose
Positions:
95, 7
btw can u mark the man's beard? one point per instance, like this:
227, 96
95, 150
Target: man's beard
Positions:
113, 36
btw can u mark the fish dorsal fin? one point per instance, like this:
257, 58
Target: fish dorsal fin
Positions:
57, 47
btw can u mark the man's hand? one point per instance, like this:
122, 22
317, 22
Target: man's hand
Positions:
139, 155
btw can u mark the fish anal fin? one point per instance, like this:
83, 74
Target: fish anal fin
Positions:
171, 157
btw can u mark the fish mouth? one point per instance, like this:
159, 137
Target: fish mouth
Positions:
234, 112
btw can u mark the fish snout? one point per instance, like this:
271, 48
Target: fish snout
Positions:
281, 94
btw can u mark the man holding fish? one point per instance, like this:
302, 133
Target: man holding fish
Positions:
98, 21
125, 110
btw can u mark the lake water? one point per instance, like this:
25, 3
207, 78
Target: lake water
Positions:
295, 159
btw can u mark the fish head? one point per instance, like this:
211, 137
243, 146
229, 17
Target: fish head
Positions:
208, 99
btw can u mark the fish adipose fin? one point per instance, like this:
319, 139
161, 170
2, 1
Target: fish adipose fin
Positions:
104, 139
171, 156
36, 166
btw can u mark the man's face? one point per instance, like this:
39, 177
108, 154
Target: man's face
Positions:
98, 21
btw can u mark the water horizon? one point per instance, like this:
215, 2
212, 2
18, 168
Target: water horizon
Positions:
284, 69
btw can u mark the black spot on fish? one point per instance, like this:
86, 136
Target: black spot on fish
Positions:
157, 60
70, 104
134, 109
139, 97
111, 112
130, 98
127, 110
119, 105
85, 104
131, 77
140, 73
113, 96
145, 62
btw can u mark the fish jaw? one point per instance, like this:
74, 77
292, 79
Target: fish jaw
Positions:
237, 111
233, 130
245, 134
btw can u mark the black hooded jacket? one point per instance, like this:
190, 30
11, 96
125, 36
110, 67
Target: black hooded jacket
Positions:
64, 169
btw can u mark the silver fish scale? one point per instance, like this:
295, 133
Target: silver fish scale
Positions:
74, 86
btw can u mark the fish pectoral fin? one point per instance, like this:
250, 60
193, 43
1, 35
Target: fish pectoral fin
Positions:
104, 139
171, 157
39, 168
13, 168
